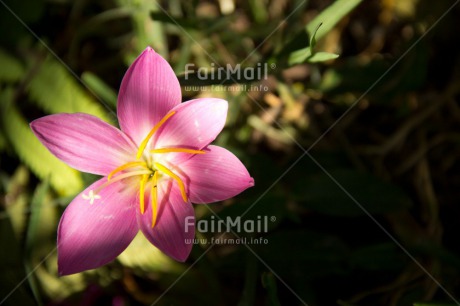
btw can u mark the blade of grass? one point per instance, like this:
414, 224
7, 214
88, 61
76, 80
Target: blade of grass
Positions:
33, 228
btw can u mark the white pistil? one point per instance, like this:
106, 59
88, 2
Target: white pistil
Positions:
91, 197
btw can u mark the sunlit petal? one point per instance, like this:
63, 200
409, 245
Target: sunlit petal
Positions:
84, 142
149, 90
96, 228
215, 176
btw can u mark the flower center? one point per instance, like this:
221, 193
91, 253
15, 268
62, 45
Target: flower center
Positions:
148, 170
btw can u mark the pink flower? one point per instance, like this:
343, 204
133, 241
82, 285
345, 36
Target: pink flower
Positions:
158, 163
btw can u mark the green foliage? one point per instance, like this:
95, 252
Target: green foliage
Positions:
29, 149
137, 257
33, 231
102, 90
55, 90
322, 24
308, 54
41, 211
13, 285
318, 57
330, 16
259, 10
148, 32
11, 70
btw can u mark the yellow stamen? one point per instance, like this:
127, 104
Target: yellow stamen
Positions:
154, 198
144, 179
155, 128
126, 166
177, 150
175, 177
120, 177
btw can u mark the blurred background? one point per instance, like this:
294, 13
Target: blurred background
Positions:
356, 158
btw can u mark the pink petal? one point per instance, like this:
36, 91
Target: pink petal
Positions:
91, 235
195, 124
84, 142
149, 90
175, 223
215, 176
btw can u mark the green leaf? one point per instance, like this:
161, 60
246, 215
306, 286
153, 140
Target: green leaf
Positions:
100, 88
259, 10
140, 254
201, 24
303, 54
322, 57
306, 55
36, 206
148, 32
64, 179
328, 18
33, 229
299, 56
12, 70
185, 23
297, 42
309, 55
18, 199
319, 27
313, 37
55, 90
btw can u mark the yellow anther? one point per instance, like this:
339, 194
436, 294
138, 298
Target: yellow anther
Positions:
155, 128
169, 173
154, 198
177, 150
144, 179
126, 166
